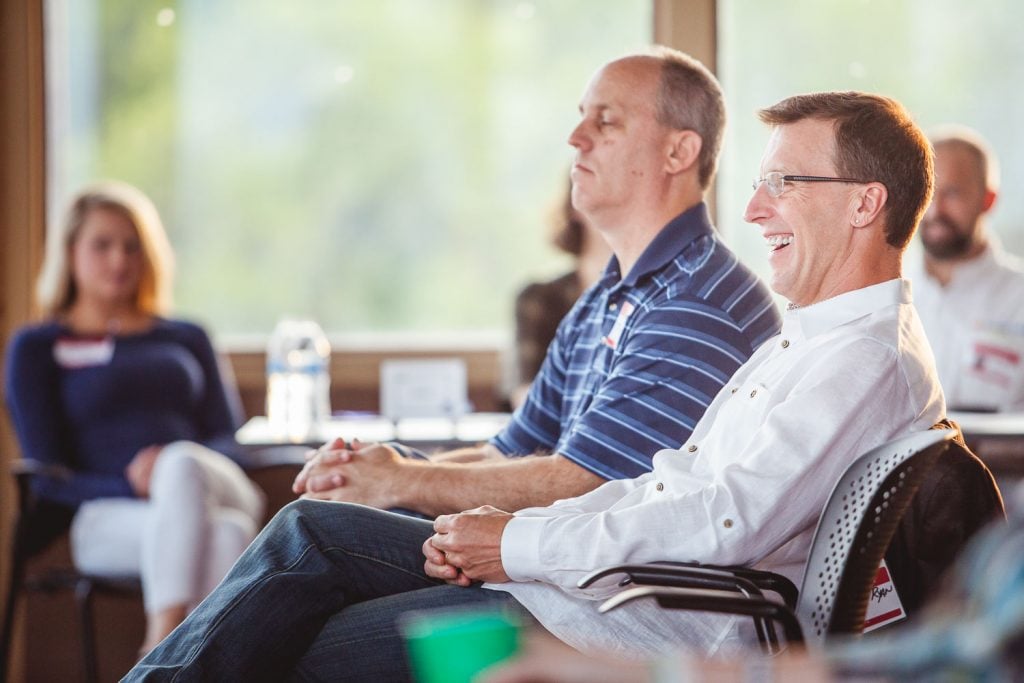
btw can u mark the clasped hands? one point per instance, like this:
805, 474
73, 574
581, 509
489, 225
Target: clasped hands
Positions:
466, 547
352, 473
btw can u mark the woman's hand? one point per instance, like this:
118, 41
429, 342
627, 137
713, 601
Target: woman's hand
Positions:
140, 470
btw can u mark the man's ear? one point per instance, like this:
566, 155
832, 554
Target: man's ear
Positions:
990, 199
684, 149
868, 205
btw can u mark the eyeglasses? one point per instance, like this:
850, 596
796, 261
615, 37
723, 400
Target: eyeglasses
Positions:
776, 181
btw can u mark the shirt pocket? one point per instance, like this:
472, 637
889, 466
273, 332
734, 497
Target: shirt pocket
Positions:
740, 418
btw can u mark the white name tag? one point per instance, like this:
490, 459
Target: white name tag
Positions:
83, 353
884, 606
995, 361
612, 340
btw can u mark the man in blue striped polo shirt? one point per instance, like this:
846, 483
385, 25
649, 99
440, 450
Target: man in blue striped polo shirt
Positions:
638, 359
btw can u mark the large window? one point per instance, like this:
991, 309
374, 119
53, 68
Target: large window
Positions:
948, 61
377, 165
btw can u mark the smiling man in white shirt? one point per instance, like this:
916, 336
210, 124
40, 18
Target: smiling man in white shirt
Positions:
842, 185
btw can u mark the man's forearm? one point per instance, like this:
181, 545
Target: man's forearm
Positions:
467, 455
508, 484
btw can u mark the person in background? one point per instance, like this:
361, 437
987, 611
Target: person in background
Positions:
132, 408
968, 291
636, 362
540, 306
843, 183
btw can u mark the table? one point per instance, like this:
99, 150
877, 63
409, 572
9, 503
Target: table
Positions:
267, 447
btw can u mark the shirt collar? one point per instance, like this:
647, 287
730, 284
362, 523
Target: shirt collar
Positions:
839, 310
678, 234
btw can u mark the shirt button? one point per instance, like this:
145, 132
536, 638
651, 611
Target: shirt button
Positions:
727, 524
660, 486
612, 306
753, 393
692, 448
785, 343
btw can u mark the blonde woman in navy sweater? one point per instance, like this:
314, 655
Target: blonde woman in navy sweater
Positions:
134, 406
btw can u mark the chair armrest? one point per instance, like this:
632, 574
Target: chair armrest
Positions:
695, 575
765, 580
25, 469
705, 600
664, 574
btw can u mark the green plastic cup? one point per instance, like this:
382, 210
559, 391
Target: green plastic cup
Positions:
448, 646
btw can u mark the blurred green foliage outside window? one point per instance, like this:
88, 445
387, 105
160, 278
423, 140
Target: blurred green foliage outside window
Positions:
374, 164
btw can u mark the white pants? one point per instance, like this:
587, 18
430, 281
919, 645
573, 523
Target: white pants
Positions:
201, 514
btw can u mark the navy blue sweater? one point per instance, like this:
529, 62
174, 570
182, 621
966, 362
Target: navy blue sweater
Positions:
75, 404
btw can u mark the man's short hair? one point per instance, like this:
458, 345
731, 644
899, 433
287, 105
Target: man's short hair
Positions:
956, 135
690, 98
875, 140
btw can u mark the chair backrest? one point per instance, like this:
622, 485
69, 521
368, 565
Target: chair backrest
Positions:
957, 498
855, 529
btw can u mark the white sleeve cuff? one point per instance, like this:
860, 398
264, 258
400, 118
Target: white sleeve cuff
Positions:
520, 548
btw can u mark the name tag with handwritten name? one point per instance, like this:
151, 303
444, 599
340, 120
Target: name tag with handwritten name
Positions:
78, 352
884, 607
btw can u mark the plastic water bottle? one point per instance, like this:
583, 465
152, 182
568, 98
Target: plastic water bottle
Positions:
298, 380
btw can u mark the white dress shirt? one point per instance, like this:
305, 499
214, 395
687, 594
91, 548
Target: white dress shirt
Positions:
844, 376
975, 325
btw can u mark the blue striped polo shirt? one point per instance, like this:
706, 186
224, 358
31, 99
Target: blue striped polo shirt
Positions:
636, 361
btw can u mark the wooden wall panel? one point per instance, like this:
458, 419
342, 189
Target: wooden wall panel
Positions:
22, 205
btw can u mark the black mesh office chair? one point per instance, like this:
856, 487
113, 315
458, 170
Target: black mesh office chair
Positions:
851, 538
957, 498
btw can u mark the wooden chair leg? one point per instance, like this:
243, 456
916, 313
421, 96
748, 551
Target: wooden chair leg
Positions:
14, 586
13, 589
83, 597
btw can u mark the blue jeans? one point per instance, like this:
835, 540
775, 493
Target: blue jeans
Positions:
315, 597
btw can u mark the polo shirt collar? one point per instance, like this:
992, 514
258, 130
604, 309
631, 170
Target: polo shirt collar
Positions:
678, 234
839, 310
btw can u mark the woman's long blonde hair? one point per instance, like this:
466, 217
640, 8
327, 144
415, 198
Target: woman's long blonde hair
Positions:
56, 291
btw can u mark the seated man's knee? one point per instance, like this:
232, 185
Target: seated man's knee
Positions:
339, 522
305, 512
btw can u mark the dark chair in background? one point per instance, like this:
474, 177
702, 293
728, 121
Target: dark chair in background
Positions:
853, 533
38, 525
39, 564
